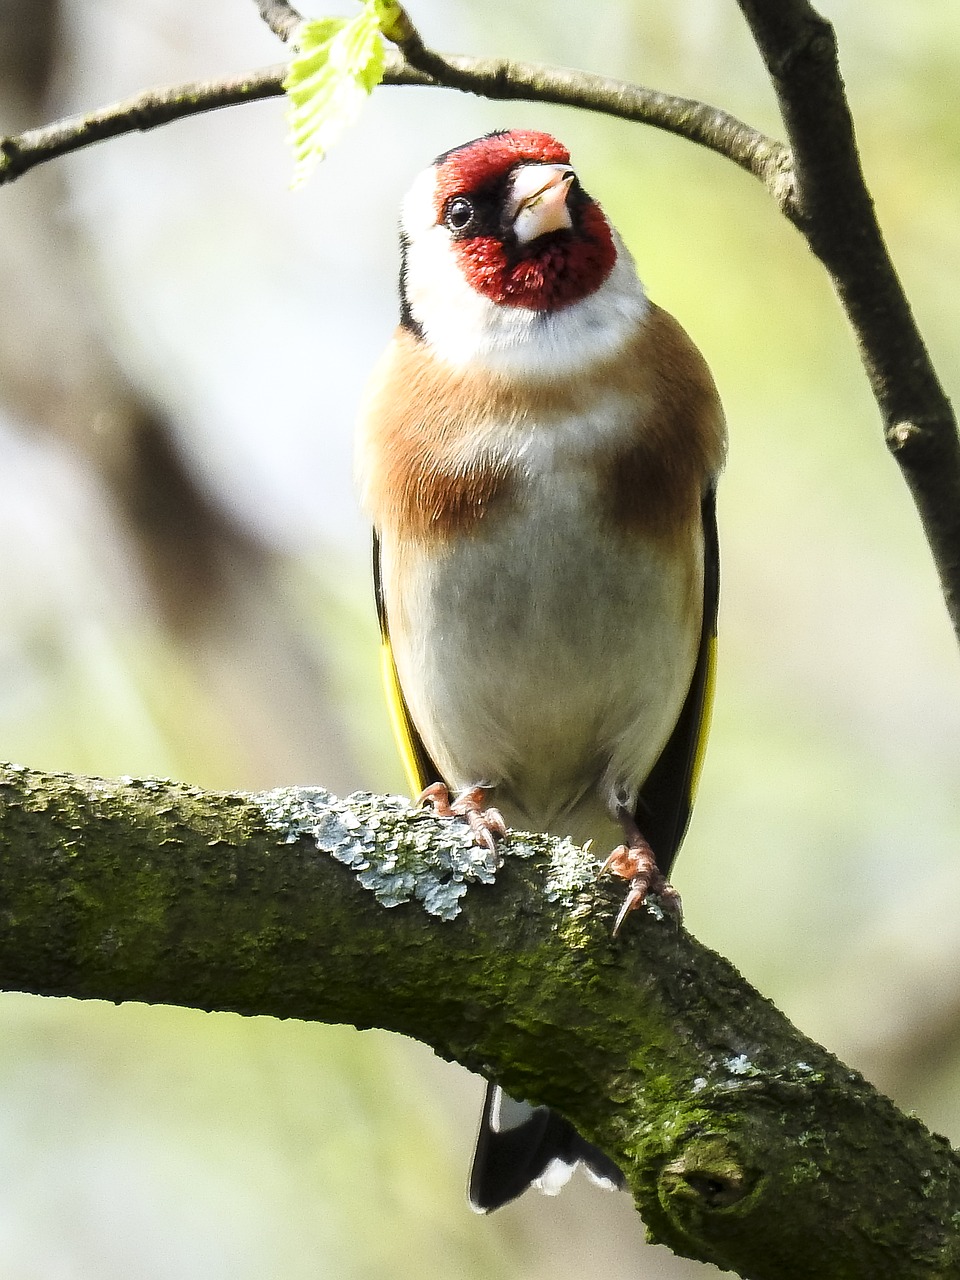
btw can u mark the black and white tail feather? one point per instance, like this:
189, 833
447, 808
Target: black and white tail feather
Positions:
521, 1146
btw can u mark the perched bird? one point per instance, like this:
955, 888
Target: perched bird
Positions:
538, 452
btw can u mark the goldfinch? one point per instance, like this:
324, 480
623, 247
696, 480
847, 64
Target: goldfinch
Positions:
538, 453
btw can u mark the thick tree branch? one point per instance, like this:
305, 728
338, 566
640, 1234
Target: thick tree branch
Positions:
744, 1143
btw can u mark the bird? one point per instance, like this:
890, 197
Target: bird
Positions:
538, 452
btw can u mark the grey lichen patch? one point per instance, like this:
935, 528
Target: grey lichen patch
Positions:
401, 854
573, 869
740, 1066
736, 1073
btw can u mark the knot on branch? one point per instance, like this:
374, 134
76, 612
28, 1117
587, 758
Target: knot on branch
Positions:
782, 185
708, 1177
925, 443
816, 48
11, 165
823, 46
901, 434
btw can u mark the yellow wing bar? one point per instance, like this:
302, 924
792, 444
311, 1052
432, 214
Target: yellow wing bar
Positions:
416, 763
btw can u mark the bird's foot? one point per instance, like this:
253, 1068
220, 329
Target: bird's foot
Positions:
635, 862
486, 825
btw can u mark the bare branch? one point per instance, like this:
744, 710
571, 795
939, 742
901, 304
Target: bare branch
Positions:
763, 157
832, 207
21, 152
500, 78
280, 17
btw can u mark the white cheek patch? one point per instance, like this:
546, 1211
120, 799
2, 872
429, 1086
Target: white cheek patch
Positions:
463, 327
448, 309
418, 212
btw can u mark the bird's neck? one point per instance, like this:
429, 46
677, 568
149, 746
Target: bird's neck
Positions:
466, 330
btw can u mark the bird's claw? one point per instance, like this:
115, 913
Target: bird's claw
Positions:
486, 825
636, 863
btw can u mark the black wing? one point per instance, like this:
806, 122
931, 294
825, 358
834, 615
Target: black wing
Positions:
666, 798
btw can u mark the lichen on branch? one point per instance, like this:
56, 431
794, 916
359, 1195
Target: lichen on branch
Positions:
743, 1142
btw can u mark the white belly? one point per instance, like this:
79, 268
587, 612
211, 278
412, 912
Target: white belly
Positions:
545, 655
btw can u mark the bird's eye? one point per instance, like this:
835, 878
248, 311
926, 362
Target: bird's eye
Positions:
458, 214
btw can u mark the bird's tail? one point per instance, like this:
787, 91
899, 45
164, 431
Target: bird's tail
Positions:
521, 1146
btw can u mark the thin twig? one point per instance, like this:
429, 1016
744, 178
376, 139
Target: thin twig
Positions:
280, 17
763, 157
23, 151
499, 78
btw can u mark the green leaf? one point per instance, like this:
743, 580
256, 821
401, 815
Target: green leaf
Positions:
393, 19
338, 63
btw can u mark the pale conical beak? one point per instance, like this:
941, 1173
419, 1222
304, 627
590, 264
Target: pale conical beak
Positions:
538, 200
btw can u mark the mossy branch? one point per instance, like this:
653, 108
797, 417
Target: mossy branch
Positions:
744, 1143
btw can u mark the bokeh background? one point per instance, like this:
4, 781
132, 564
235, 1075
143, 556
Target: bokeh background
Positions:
184, 592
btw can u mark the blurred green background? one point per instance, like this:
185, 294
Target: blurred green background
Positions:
184, 592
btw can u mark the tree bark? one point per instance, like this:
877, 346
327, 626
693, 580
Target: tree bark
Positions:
744, 1143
